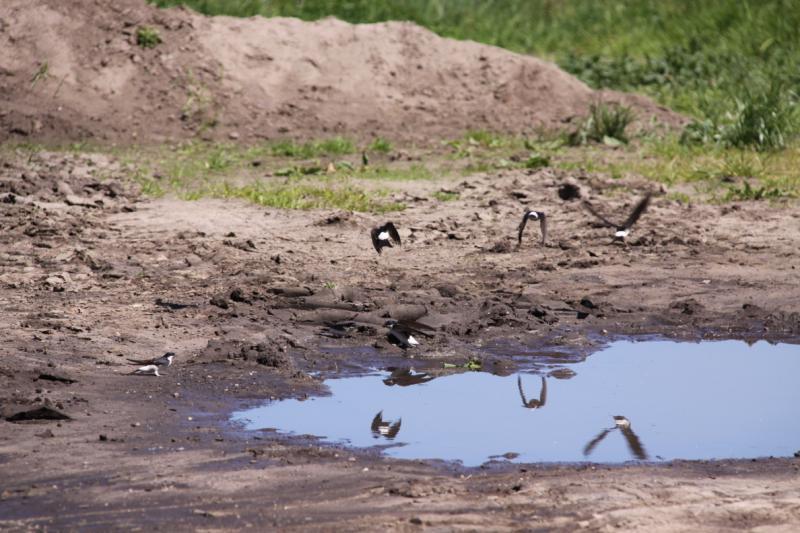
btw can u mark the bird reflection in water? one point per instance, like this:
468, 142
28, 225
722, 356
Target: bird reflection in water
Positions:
533, 403
623, 425
404, 377
385, 428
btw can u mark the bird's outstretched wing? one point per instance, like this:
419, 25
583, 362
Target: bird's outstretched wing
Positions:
543, 394
376, 422
375, 241
543, 226
637, 212
592, 210
521, 392
140, 361
394, 429
634, 444
392, 232
522, 226
597, 440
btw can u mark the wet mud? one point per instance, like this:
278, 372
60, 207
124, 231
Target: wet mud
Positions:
260, 303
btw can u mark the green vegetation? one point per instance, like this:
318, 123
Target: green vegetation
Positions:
147, 37
380, 145
445, 196
307, 150
605, 123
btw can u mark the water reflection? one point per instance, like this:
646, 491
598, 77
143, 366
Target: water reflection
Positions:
404, 377
382, 428
533, 403
470, 416
622, 424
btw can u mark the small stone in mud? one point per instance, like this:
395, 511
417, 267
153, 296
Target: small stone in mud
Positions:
237, 295
569, 191
103, 438
42, 413
537, 311
274, 360
447, 290
220, 301
500, 247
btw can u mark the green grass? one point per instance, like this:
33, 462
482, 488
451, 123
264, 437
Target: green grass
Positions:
301, 196
310, 149
147, 37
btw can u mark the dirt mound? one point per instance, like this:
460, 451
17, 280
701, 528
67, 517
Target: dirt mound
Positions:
73, 69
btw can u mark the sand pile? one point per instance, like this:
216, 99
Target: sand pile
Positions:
72, 70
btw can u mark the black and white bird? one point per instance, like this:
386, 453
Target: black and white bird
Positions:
533, 403
383, 428
382, 236
164, 360
622, 230
632, 440
533, 215
147, 370
401, 334
403, 377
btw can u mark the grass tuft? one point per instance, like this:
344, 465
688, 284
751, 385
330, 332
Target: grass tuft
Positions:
147, 37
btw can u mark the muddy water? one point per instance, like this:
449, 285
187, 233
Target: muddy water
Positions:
671, 401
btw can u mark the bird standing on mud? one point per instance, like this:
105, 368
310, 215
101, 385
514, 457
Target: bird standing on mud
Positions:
382, 236
533, 215
164, 360
401, 334
622, 230
147, 370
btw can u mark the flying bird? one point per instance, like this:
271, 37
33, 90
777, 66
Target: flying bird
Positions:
381, 236
383, 428
622, 230
533, 215
147, 370
164, 360
533, 403
624, 425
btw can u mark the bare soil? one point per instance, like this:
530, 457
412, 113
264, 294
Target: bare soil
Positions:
91, 274
260, 78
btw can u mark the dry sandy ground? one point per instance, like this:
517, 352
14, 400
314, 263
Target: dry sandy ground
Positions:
71, 69
92, 274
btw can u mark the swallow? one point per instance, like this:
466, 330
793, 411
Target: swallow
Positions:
381, 236
383, 428
164, 360
622, 230
401, 334
533, 215
404, 377
624, 425
147, 370
533, 403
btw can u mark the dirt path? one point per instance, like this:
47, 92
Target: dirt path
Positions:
91, 275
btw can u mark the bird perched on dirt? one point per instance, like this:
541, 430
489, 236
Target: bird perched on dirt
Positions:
533, 215
383, 428
164, 360
401, 334
533, 403
622, 230
147, 370
381, 236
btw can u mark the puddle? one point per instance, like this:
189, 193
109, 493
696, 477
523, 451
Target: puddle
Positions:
675, 401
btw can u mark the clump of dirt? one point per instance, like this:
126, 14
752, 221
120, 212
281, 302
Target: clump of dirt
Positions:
75, 70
